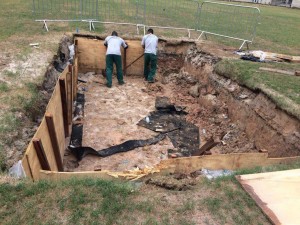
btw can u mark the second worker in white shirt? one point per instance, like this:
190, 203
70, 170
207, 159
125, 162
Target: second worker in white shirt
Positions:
149, 43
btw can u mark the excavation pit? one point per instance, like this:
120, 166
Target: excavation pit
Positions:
238, 128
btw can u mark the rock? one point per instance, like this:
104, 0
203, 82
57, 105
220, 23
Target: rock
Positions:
194, 91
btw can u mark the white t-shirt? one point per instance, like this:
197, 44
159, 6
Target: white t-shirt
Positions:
114, 44
150, 41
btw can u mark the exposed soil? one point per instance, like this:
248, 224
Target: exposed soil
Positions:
242, 121
20, 65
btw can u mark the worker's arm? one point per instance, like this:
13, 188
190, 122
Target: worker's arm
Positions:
105, 42
124, 44
143, 42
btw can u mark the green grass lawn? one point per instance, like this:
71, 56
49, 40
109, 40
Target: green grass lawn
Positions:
93, 201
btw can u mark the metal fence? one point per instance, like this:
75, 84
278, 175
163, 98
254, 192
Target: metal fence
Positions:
226, 20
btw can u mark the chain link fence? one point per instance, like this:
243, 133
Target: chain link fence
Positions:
226, 20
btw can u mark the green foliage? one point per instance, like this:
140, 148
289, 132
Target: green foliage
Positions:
11, 74
33, 102
3, 87
2, 158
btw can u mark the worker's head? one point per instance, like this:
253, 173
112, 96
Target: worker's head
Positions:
150, 31
114, 33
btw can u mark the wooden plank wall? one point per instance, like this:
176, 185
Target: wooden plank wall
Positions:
30, 160
91, 56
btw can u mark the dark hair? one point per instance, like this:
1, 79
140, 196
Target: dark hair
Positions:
150, 30
114, 33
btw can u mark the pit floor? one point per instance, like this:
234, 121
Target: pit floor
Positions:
112, 114
110, 118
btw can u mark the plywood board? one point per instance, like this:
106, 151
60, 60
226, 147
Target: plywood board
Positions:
55, 108
92, 52
215, 162
30, 160
277, 193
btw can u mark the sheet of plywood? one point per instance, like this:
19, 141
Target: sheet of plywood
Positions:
55, 108
277, 193
30, 160
214, 162
92, 52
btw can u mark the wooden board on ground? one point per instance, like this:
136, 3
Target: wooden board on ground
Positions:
180, 165
223, 161
277, 193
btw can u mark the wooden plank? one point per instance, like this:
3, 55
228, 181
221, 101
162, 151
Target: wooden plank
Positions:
70, 69
75, 78
26, 167
39, 148
276, 193
69, 97
55, 176
64, 104
292, 73
221, 161
54, 141
55, 108
133, 52
91, 56
212, 142
124, 62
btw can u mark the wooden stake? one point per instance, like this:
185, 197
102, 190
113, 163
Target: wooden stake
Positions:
62, 85
30, 170
69, 98
72, 81
75, 67
54, 141
37, 143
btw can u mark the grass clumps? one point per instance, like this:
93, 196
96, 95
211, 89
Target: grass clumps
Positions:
76, 201
282, 89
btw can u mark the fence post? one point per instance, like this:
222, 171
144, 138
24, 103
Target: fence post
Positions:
54, 141
97, 16
81, 9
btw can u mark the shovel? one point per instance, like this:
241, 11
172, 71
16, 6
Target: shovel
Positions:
125, 68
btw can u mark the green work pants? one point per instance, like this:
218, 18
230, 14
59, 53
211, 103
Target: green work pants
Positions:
110, 59
150, 60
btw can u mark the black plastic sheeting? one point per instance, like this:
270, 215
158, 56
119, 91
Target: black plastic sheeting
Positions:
81, 152
77, 129
169, 119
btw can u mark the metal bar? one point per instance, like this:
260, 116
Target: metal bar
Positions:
225, 36
45, 26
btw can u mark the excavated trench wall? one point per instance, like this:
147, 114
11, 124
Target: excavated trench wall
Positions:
270, 128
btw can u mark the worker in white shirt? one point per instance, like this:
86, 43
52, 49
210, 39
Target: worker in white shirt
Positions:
113, 55
149, 43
